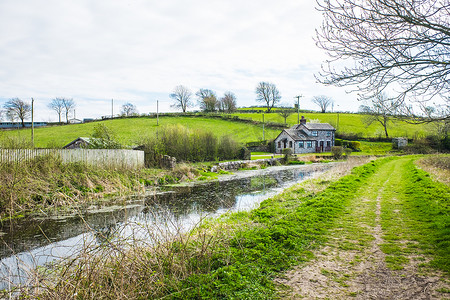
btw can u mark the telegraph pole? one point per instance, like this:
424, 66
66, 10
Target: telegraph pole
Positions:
157, 112
298, 107
112, 108
32, 122
264, 134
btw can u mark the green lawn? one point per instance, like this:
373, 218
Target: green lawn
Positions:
131, 131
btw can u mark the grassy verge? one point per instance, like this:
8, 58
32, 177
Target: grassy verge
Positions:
238, 255
234, 257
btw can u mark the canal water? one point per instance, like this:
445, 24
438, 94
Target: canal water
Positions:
27, 244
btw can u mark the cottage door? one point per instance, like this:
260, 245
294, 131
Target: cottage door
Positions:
321, 146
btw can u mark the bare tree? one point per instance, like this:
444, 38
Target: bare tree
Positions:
17, 109
58, 106
323, 101
401, 45
129, 109
285, 113
381, 110
207, 100
68, 105
267, 93
228, 102
182, 97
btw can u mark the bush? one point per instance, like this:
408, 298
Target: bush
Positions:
338, 142
188, 145
103, 138
228, 148
287, 154
337, 151
355, 145
418, 148
348, 152
245, 154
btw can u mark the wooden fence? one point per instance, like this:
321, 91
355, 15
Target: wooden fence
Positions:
103, 158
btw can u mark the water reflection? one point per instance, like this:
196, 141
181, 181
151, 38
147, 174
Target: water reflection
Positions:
153, 219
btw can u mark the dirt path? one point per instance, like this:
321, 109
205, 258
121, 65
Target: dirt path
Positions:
371, 252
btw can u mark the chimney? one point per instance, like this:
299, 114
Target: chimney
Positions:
303, 120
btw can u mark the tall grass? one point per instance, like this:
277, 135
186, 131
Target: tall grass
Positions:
195, 145
46, 183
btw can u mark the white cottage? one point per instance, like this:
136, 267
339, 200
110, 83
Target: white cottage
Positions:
306, 138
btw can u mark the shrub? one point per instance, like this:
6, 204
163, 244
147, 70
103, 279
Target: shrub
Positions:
287, 154
103, 138
188, 145
228, 148
337, 151
355, 145
245, 154
12, 142
338, 142
418, 148
348, 152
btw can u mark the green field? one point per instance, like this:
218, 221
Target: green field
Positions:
131, 131
348, 123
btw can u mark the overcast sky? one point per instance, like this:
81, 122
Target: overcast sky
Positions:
138, 50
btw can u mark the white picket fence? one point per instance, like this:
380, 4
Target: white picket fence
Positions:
102, 158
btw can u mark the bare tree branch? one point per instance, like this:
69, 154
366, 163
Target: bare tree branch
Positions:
323, 101
400, 46
182, 97
17, 109
57, 105
129, 109
228, 102
207, 100
268, 94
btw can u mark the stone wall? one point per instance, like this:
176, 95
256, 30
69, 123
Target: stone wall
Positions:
239, 164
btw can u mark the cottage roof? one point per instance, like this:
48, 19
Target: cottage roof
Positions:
314, 126
296, 135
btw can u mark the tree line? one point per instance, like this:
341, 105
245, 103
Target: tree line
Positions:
17, 109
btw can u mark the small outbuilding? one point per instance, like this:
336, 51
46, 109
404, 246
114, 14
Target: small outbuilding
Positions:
81, 142
399, 142
306, 138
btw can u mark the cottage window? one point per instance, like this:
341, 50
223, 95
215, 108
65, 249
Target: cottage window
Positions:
315, 133
328, 143
328, 133
309, 144
301, 144
279, 144
290, 144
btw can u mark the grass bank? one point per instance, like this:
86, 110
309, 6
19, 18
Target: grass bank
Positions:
235, 256
45, 185
238, 255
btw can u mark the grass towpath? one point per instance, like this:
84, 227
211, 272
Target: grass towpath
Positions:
386, 245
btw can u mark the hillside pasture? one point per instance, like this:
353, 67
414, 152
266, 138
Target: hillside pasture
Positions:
131, 131
348, 124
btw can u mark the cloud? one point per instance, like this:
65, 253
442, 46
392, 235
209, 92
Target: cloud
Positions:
139, 50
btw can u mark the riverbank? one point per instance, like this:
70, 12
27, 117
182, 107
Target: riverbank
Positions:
387, 206
45, 186
239, 255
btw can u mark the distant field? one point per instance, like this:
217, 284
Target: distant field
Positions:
348, 123
131, 131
